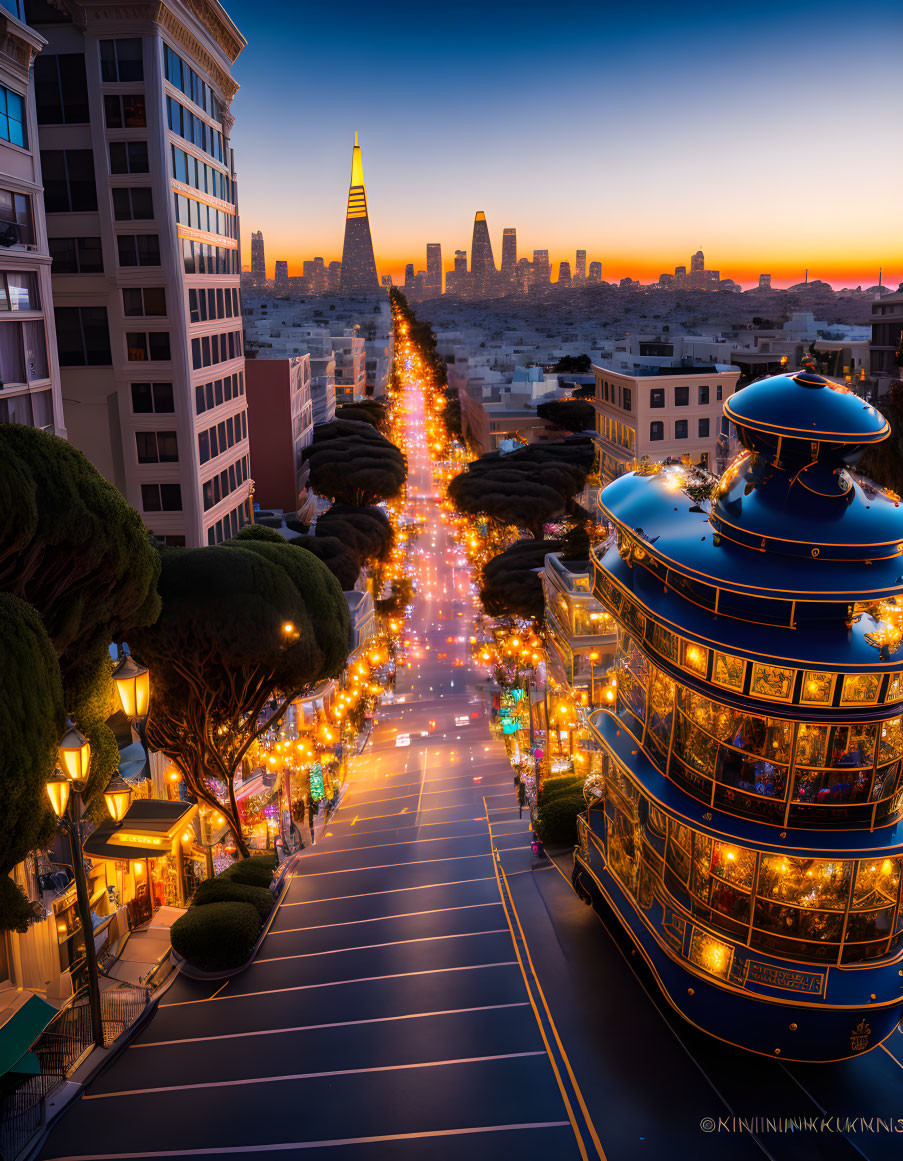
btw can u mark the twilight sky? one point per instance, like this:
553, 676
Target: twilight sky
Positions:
762, 131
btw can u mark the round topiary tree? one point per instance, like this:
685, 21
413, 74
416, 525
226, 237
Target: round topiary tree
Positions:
31, 724
366, 531
569, 414
245, 629
353, 464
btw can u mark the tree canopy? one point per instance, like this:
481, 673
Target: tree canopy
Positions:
526, 487
571, 414
351, 462
246, 627
365, 531
341, 559
32, 720
370, 411
510, 582
573, 364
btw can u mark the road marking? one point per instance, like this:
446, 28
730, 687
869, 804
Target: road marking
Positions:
339, 983
334, 1024
318, 854
389, 866
227, 1150
383, 918
431, 810
422, 780
390, 943
128, 1092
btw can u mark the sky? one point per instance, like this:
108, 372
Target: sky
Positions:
763, 132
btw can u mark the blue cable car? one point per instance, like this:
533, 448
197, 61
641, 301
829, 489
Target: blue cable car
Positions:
746, 827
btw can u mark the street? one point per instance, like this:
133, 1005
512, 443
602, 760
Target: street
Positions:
426, 991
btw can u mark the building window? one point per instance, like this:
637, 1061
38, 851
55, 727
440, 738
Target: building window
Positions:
230, 524
207, 304
681, 428
199, 216
656, 430
15, 218
161, 497
76, 255
12, 117
718, 392
203, 258
138, 249
703, 428
219, 438
147, 345
83, 336
681, 396
153, 398
210, 395
157, 447
187, 81
23, 352
33, 409
68, 181
61, 89
125, 110
148, 302
133, 202
121, 60
194, 129
218, 487
19, 291
703, 394
657, 397
627, 399
190, 170
210, 349
129, 157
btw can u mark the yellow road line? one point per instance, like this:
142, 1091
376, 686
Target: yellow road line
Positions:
564, 1096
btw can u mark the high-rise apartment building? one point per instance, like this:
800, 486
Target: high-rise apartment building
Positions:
482, 263
409, 275
460, 262
280, 276
595, 272
580, 267
334, 277
358, 263
509, 252
697, 262
316, 276
29, 370
258, 261
433, 268
564, 275
140, 197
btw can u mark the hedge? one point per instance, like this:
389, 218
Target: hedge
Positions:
218, 936
254, 872
220, 890
560, 801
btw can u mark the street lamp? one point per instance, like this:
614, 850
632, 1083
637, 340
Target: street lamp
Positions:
133, 686
75, 756
118, 797
593, 658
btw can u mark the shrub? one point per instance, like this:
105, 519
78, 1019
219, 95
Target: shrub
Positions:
560, 801
254, 872
228, 891
216, 937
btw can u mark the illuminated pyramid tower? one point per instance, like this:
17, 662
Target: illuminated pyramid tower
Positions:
358, 265
482, 264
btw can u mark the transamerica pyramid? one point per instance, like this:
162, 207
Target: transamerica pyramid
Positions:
358, 265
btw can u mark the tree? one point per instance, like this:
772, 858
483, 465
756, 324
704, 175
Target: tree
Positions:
573, 364
366, 531
245, 629
511, 583
883, 462
370, 411
73, 548
571, 414
527, 487
401, 592
353, 464
584, 391
31, 725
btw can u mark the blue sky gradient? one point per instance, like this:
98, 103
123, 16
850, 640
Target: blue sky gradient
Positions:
758, 131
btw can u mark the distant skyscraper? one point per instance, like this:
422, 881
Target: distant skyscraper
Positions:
764, 282
564, 275
542, 270
697, 262
258, 260
482, 264
509, 253
387, 280
460, 262
409, 276
580, 267
333, 276
595, 272
280, 278
433, 268
358, 263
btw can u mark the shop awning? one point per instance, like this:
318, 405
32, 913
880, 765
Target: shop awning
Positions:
22, 1020
148, 831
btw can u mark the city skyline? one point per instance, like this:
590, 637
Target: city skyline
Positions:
679, 143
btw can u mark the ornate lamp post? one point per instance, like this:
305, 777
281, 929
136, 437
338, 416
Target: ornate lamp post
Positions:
65, 792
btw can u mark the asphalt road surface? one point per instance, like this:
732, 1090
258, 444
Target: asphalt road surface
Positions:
426, 992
